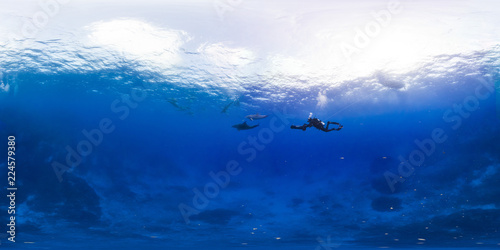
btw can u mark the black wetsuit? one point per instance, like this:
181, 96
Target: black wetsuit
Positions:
315, 122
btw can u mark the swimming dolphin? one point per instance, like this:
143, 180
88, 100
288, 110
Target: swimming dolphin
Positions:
174, 103
244, 126
236, 102
255, 117
224, 110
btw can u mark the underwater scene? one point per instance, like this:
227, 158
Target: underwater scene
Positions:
237, 124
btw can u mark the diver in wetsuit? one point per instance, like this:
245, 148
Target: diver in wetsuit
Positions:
317, 123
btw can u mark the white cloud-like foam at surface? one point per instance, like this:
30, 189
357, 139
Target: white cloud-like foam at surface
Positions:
139, 40
281, 44
223, 56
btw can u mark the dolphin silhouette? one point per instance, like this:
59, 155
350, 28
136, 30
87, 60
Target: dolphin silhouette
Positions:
244, 126
255, 117
236, 102
224, 110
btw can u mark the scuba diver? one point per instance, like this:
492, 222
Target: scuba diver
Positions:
317, 123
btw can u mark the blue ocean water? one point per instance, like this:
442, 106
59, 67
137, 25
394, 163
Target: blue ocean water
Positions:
283, 188
133, 147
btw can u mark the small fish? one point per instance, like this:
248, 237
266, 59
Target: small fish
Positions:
255, 117
244, 126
